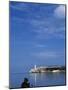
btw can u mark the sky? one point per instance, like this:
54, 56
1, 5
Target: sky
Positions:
37, 35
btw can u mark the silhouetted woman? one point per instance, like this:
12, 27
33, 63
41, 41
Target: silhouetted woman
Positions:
25, 84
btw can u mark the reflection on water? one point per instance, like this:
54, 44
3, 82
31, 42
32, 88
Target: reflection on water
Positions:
47, 79
38, 79
34, 77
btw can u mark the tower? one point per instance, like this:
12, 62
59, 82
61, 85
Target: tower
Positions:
35, 67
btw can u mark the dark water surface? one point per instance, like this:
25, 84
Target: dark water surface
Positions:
38, 79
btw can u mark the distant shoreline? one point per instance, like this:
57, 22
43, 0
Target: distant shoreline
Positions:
43, 69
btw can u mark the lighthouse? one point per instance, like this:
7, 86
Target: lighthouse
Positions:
35, 67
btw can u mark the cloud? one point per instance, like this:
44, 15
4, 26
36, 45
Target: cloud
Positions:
20, 6
48, 55
44, 27
59, 12
40, 45
48, 28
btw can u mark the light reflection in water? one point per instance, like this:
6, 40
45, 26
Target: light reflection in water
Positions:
36, 78
33, 76
45, 79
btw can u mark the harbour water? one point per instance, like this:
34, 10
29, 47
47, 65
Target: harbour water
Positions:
38, 79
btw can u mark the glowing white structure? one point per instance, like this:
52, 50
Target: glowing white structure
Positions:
35, 67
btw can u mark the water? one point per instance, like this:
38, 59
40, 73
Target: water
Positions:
37, 79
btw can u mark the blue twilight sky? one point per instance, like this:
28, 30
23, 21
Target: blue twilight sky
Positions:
37, 35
